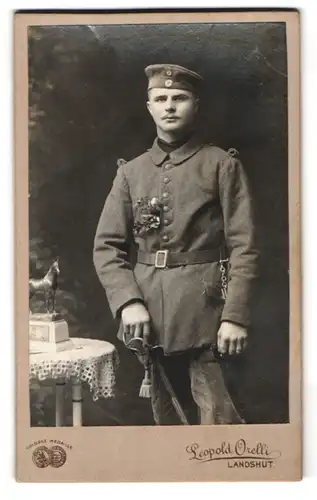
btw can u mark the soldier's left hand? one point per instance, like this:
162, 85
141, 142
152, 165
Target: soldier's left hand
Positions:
232, 338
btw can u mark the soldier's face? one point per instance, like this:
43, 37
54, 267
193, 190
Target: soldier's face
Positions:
172, 110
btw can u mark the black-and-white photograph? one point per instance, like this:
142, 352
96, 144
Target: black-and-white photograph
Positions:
158, 224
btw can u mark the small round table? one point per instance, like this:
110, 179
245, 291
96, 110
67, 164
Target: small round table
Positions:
89, 360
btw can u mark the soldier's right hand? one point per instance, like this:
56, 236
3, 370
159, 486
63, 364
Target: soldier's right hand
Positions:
136, 320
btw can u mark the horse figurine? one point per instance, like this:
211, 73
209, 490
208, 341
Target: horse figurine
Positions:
48, 285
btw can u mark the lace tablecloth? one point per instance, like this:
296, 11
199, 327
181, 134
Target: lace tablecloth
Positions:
91, 361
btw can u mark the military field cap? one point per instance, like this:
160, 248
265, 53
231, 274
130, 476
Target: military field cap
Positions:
172, 76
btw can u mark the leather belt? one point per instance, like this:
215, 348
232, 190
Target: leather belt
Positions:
165, 258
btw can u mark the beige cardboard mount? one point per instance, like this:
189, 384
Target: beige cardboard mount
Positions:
152, 453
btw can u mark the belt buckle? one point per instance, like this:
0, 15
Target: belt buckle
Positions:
161, 254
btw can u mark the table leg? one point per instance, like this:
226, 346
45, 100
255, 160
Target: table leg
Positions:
59, 399
77, 403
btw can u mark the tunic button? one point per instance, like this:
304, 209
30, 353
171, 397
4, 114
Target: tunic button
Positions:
166, 180
166, 222
165, 208
165, 194
167, 166
165, 237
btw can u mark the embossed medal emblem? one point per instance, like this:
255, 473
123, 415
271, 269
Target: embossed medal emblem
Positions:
41, 457
44, 456
58, 456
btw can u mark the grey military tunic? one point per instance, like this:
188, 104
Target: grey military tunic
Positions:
205, 201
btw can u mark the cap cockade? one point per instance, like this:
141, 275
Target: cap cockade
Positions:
172, 76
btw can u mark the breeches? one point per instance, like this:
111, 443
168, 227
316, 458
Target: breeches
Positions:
198, 383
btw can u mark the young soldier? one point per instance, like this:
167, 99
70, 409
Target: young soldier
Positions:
184, 204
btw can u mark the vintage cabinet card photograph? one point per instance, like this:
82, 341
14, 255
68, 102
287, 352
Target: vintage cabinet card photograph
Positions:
157, 242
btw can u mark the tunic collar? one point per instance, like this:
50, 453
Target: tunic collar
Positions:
178, 155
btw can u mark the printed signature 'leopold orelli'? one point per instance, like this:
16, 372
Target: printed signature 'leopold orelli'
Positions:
239, 454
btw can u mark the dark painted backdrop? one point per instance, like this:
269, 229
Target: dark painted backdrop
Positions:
87, 94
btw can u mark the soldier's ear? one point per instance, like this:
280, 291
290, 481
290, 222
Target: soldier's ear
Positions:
148, 105
197, 104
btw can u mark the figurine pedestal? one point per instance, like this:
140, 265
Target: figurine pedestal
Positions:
38, 346
48, 333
